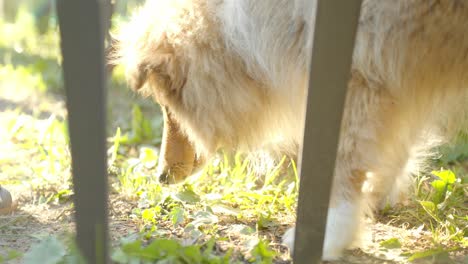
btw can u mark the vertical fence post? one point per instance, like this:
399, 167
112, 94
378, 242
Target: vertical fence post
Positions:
333, 44
82, 41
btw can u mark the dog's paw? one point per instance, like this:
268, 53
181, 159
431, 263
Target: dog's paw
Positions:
343, 223
288, 238
329, 253
342, 226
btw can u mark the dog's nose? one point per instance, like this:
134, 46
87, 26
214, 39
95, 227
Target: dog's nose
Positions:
163, 177
169, 177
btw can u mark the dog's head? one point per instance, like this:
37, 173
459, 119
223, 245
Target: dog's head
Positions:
151, 65
176, 53
158, 73
148, 47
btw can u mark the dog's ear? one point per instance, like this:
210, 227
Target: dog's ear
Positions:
161, 69
137, 77
149, 59
166, 72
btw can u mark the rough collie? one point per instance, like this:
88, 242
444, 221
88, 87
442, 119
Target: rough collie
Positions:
234, 74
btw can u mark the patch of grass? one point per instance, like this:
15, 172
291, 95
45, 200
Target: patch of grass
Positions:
36, 154
439, 206
228, 196
167, 251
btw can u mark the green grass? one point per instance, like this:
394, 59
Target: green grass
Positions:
233, 211
226, 197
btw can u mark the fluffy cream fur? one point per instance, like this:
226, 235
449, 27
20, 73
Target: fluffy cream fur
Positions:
233, 74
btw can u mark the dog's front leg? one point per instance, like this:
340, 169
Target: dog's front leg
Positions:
344, 215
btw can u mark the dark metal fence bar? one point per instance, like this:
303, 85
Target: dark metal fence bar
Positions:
333, 44
82, 35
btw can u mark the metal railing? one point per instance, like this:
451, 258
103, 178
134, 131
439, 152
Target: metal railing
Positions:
83, 25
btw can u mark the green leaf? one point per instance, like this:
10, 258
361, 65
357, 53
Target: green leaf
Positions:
149, 215
192, 254
11, 255
447, 179
446, 175
74, 255
262, 253
266, 221
63, 195
440, 188
204, 218
177, 215
241, 229
148, 157
119, 256
141, 127
438, 253
431, 209
428, 206
132, 248
226, 210
115, 147
209, 245
391, 243
137, 118
48, 251
160, 249
187, 195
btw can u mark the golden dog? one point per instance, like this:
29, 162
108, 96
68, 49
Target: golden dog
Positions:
234, 74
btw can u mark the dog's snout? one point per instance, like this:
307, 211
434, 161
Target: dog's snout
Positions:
171, 176
177, 156
163, 177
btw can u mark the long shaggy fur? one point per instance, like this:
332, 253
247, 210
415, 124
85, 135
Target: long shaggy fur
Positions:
234, 74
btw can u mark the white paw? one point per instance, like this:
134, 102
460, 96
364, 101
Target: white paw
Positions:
288, 238
343, 223
342, 227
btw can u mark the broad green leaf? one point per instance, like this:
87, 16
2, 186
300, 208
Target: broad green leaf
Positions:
391, 243
241, 229
149, 215
440, 254
11, 255
148, 157
262, 253
446, 175
192, 254
161, 248
440, 188
115, 147
430, 209
177, 215
48, 251
119, 256
209, 247
187, 195
428, 206
226, 210
132, 248
266, 221
204, 218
